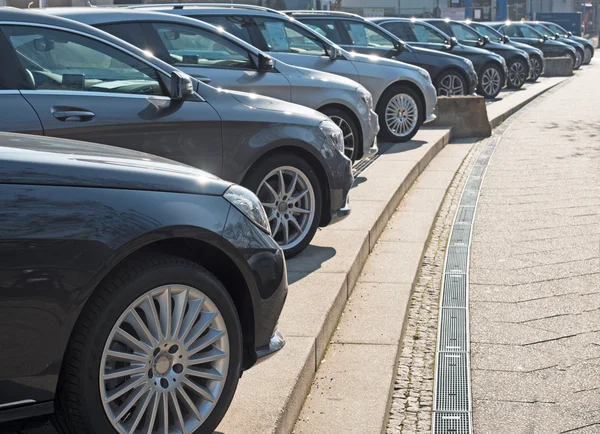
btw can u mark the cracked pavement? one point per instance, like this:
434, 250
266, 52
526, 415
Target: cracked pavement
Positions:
535, 270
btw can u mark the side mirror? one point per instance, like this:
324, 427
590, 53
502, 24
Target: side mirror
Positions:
334, 52
545, 38
181, 85
570, 33
43, 44
265, 63
485, 40
453, 41
557, 35
506, 39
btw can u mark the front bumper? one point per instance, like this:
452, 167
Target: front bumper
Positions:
340, 183
262, 265
430, 96
276, 343
473, 81
370, 126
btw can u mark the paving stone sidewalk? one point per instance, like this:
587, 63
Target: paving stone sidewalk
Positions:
535, 270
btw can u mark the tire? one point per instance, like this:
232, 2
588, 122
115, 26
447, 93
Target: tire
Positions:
392, 99
587, 55
490, 81
451, 83
348, 125
79, 401
578, 59
536, 65
517, 73
267, 172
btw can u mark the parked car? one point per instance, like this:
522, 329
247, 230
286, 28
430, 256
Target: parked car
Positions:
491, 68
223, 60
452, 75
517, 61
588, 47
403, 95
525, 34
536, 56
131, 285
579, 48
66, 79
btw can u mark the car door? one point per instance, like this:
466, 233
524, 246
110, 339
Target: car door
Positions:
294, 44
83, 88
211, 58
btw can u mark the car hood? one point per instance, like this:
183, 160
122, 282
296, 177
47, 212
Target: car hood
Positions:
260, 102
322, 79
381, 61
582, 41
525, 47
465, 49
497, 46
38, 160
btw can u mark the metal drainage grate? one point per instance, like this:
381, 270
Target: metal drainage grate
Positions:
451, 423
454, 324
452, 401
455, 291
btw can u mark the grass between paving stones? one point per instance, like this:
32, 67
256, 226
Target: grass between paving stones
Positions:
412, 400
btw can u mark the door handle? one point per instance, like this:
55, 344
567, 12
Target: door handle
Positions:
73, 115
202, 78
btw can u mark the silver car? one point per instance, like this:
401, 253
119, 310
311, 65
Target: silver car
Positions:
214, 56
403, 94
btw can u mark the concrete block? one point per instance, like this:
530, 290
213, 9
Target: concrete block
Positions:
558, 67
349, 374
374, 314
466, 115
314, 305
272, 410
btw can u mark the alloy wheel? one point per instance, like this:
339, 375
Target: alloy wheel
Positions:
451, 85
516, 74
536, 66
402, 115
165, 362
349, 139
490, 81
578, 59
289, 199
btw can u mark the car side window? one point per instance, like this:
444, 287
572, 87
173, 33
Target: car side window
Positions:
60, 60
130, 32
367, 36
192, 46
510, 31
236, 25
464, 33
402, 30
528, 32
286, 37
325, 28
427, 35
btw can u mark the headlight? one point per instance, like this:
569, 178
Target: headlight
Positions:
366, 96
334, 134
249, 205
425, 75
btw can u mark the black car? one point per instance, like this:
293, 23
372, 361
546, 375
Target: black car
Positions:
525, 34
451, 75
588, 47
491, 68
66, 79
517, 61
536, 56
546, 31
131, 284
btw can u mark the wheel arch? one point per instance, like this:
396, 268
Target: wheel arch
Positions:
349, 111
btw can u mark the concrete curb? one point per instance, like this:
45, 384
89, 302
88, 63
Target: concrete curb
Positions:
270, 396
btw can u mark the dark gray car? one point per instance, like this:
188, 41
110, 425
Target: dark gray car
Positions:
65, 79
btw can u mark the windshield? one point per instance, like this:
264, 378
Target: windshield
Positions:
530, 32
464, 32
543, 30
556, 28
488, 31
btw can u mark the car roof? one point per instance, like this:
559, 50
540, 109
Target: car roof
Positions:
211, 9
324, 14
39, 16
